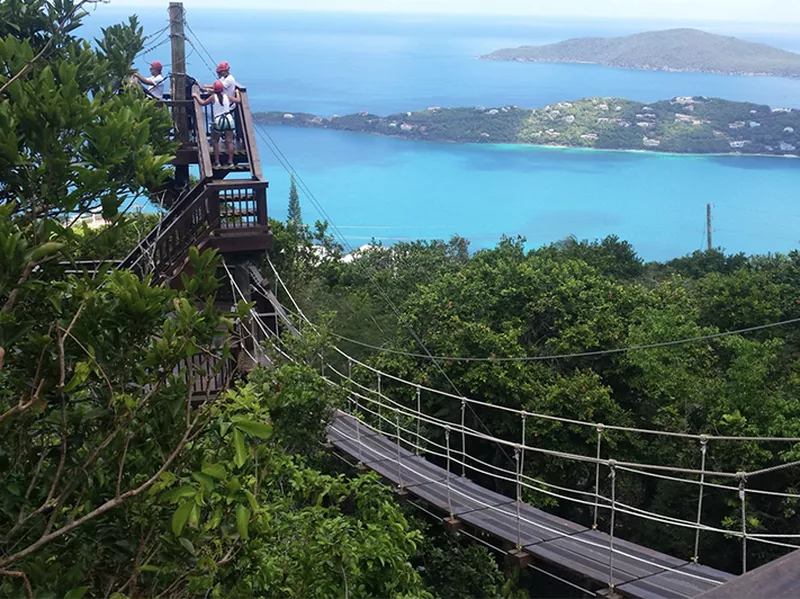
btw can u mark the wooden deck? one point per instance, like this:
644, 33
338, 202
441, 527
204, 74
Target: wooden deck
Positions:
551, 541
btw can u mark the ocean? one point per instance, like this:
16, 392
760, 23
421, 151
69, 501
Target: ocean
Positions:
391, 189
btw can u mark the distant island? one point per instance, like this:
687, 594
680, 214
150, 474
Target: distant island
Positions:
692, 125
669, 50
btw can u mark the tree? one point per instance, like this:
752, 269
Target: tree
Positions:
295, 215
127, 465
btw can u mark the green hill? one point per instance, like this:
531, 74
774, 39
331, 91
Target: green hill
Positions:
692, 125
669, 50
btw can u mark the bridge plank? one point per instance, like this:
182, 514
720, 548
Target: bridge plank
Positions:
564, 544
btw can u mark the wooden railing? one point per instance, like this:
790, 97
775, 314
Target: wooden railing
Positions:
188, 223
249, 135
233, 214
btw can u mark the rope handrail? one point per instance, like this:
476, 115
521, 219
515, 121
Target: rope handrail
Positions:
570, 456
552, 530
630, 510
694, 436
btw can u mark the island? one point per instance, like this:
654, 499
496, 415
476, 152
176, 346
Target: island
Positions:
669, 50
693, 125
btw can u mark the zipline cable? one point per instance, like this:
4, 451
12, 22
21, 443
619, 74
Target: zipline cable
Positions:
573, 355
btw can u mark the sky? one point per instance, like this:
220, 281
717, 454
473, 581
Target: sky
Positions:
773, 11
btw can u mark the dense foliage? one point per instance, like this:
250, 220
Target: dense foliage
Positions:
669, 50
575, 297
687, 125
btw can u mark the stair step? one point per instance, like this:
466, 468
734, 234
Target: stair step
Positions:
239, 168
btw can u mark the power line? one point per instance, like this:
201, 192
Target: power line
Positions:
574, 355
284, 162
197, 38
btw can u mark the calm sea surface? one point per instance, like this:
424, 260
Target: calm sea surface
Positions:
395, 189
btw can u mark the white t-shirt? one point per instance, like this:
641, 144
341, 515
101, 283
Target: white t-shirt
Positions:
157, 89
229, 85
223, 107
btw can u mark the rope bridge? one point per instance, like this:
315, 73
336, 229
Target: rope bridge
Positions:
428, 457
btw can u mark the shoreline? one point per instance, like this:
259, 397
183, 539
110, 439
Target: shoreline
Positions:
488, 57
541, 146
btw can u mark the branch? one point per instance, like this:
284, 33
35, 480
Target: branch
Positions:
19, 574
23, 405
107, 506
189, 435
49, 43
12, 297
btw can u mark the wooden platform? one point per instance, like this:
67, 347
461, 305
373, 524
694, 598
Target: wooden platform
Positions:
560, 544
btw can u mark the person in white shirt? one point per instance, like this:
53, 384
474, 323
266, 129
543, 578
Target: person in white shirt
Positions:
223, 107
154, 86
225, 77
229, 87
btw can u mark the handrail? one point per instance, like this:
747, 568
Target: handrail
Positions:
203, 148
249, 135
175, 216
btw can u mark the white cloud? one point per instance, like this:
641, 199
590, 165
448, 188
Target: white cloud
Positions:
775, 11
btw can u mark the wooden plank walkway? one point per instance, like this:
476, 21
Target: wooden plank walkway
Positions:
638, 572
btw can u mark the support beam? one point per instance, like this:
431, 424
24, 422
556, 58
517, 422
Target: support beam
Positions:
608, 594
518, 558
180, 116
452, 524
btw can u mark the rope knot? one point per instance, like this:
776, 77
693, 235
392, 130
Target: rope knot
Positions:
600, 428
704, 440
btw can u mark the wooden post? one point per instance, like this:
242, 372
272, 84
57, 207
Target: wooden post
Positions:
708, 226
180, 116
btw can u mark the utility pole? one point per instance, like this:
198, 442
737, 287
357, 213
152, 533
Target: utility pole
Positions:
180, 116
708, 226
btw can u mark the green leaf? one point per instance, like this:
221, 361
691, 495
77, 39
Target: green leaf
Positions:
215, 519
215, 470
242, 520
76, 593
186, 544
180, 517
149, 568
204, 479
176, 495
81, 374
257, 429
44, 250
252, 499
241, 451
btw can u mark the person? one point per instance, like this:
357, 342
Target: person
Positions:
225, 77
229, 83
155, 84
223, 119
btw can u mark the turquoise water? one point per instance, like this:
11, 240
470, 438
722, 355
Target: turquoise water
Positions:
397, 190
394, 189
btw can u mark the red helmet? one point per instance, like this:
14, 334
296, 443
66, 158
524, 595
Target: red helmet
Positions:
156, 65
223, 66
218, 87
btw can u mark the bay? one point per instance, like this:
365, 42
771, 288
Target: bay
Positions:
394, 189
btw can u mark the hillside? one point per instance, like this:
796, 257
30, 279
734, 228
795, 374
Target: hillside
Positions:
669, 50
693, 125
